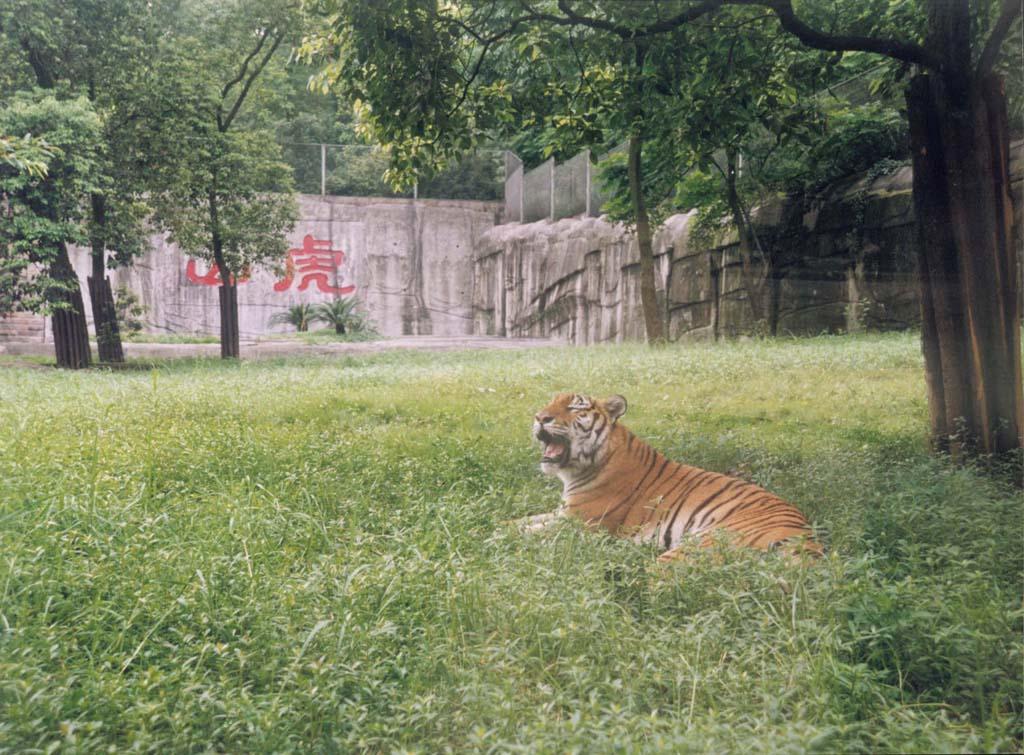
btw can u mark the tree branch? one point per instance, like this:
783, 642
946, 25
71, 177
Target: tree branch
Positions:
44, 76
905, 51
1008, 14
485, 43
572, 18
241, 72
226, 123
783, 9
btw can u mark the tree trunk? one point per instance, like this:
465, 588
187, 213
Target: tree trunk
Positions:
104, 317
104, 314
228, 299
70, 332
970, 311
229, 347
648, 288
758, 277
228, 291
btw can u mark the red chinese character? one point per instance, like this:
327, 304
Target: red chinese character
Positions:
212, 277
316, 262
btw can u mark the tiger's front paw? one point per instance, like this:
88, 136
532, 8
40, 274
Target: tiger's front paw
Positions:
538, 523
673, 556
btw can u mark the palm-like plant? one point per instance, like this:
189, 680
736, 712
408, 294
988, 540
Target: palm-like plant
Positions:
342, 314
299, 316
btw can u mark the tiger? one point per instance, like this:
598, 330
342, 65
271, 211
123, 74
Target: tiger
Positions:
613, 480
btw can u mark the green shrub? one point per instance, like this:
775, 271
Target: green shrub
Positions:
298, 316
129, 310
343, 316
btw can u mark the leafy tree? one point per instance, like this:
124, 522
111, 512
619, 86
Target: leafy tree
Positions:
231, 204
25, 154
99, 50
750, 90
415, 66
22, 161
45, 211
224, 196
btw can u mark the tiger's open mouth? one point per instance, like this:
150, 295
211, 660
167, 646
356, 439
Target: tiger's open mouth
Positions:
555, 451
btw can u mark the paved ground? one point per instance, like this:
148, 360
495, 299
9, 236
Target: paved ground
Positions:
277, 348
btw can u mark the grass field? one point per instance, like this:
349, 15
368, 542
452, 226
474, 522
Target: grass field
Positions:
313, 555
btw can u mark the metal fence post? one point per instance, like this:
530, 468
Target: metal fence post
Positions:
323, 169
551, 198
587, 187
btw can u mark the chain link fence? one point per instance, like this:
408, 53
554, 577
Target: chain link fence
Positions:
358, 171
554, 190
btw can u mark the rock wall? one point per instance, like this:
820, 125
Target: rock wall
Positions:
842, 260
408, 263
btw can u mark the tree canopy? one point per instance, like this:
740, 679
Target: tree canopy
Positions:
423, 76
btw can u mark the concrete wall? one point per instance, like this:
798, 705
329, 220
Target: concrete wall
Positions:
410, 262
844, 260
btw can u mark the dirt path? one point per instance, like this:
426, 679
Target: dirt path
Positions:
278, 348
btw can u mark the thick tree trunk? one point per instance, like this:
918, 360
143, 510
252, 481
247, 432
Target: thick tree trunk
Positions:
970, 309
70, 332
104, 314
648, 288
104, 317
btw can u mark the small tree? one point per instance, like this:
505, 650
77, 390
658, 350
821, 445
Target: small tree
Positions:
226, 196
222, 209
128, 309
44, 213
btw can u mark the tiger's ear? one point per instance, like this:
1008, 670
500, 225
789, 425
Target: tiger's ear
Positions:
615, 406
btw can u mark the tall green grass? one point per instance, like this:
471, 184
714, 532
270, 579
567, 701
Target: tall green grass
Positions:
314, 555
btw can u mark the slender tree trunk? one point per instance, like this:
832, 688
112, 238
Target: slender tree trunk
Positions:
758, 276
70, 332
104, 314
228, 299
648, 287
229, 346
228, 291
773, 303
970, 308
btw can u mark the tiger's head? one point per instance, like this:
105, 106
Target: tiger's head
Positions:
574, 430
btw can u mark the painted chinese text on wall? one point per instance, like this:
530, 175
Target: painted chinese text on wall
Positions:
314, 263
